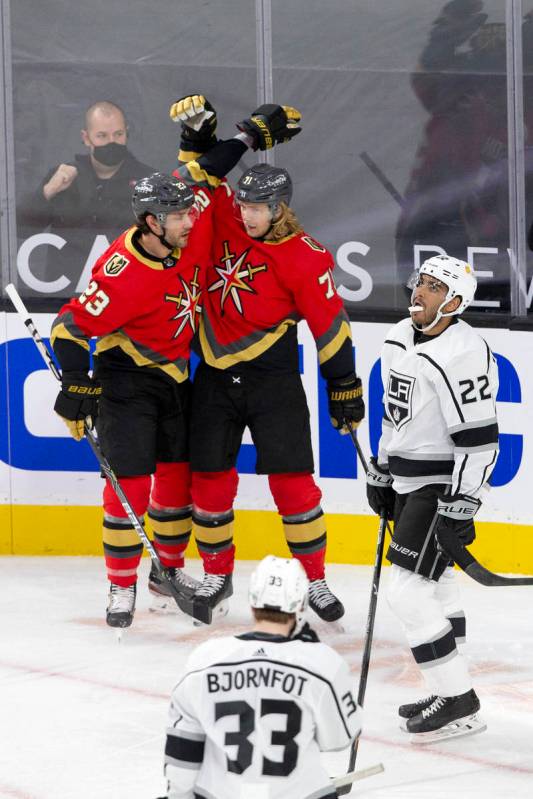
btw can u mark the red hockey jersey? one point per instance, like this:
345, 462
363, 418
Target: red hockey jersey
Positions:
143, 310
256, 292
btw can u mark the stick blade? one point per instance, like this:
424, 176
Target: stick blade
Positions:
482, 575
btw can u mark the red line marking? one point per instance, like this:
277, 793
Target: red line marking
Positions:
7, 790
88, 680
425, 749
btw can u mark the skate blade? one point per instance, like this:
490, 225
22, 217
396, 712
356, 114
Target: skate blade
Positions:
460, 728
216, 614
162, 604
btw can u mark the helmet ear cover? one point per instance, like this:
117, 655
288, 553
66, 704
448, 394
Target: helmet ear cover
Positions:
263, 183
160, 194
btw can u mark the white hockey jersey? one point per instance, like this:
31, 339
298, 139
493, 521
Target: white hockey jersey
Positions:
250, 715
439, 398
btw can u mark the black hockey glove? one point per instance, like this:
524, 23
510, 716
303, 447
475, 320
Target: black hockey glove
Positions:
271, 124
198, 122
307, 634
77, 402
379, 491
345, 402
455, 514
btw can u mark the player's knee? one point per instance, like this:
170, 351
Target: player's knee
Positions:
294, 493
409, 595
214, 491
137, 490
172, 485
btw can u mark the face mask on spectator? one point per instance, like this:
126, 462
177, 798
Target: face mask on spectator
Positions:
110, 154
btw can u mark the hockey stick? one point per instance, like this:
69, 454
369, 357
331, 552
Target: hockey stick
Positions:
457, 552
371, 617
355, 776
383, 179
183, 602
468, 563
365, 663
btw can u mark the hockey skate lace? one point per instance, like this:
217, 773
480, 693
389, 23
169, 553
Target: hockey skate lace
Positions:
210, 585
181, 578
122, 599
436, 705
320, 594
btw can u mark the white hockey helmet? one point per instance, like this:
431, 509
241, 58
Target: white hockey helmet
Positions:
457, 275
279, 584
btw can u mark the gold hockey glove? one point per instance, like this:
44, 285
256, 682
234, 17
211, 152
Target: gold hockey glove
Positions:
198, 121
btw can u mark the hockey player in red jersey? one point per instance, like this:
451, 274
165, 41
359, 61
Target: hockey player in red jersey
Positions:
251, 713
266, 274
143, 304
437, 450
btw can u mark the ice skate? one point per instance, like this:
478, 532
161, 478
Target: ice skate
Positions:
121, 606
446, 717
162, 599
210, 596
324, 602
413, 708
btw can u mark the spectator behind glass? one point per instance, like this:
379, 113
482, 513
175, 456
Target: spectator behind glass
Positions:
80, 200
457, 195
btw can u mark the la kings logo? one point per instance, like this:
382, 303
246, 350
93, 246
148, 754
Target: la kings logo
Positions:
399, 398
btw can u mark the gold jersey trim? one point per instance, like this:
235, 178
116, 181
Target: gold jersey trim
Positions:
330, 349
152, 263
60, 330
126, 345
247, 353
200, 176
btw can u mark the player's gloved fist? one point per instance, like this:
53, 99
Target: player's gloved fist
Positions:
379, 491
305, 633
455, 514
271, 124
198, 122
345, 402
77, 402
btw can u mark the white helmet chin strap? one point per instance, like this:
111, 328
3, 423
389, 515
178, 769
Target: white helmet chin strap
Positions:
438, 316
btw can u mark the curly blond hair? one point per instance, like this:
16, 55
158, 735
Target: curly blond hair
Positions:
286, 224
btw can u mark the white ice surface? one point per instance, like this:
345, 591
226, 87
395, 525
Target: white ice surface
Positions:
83, 717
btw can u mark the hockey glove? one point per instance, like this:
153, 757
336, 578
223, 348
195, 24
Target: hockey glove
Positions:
198, 122
305, 633
77, 402
455, 514
345, 402
271, 124
379, 491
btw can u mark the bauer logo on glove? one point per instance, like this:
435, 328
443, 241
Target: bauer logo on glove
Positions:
271, 124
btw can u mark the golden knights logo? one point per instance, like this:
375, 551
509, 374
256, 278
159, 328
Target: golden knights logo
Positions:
399, 398
188, 303
116, 264
233, 277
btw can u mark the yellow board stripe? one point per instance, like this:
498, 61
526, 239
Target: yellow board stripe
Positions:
77, 530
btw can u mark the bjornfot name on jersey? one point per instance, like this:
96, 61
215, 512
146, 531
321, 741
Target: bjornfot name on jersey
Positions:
255, 677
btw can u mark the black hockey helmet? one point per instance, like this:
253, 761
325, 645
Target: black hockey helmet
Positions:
159, 194
263, 183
